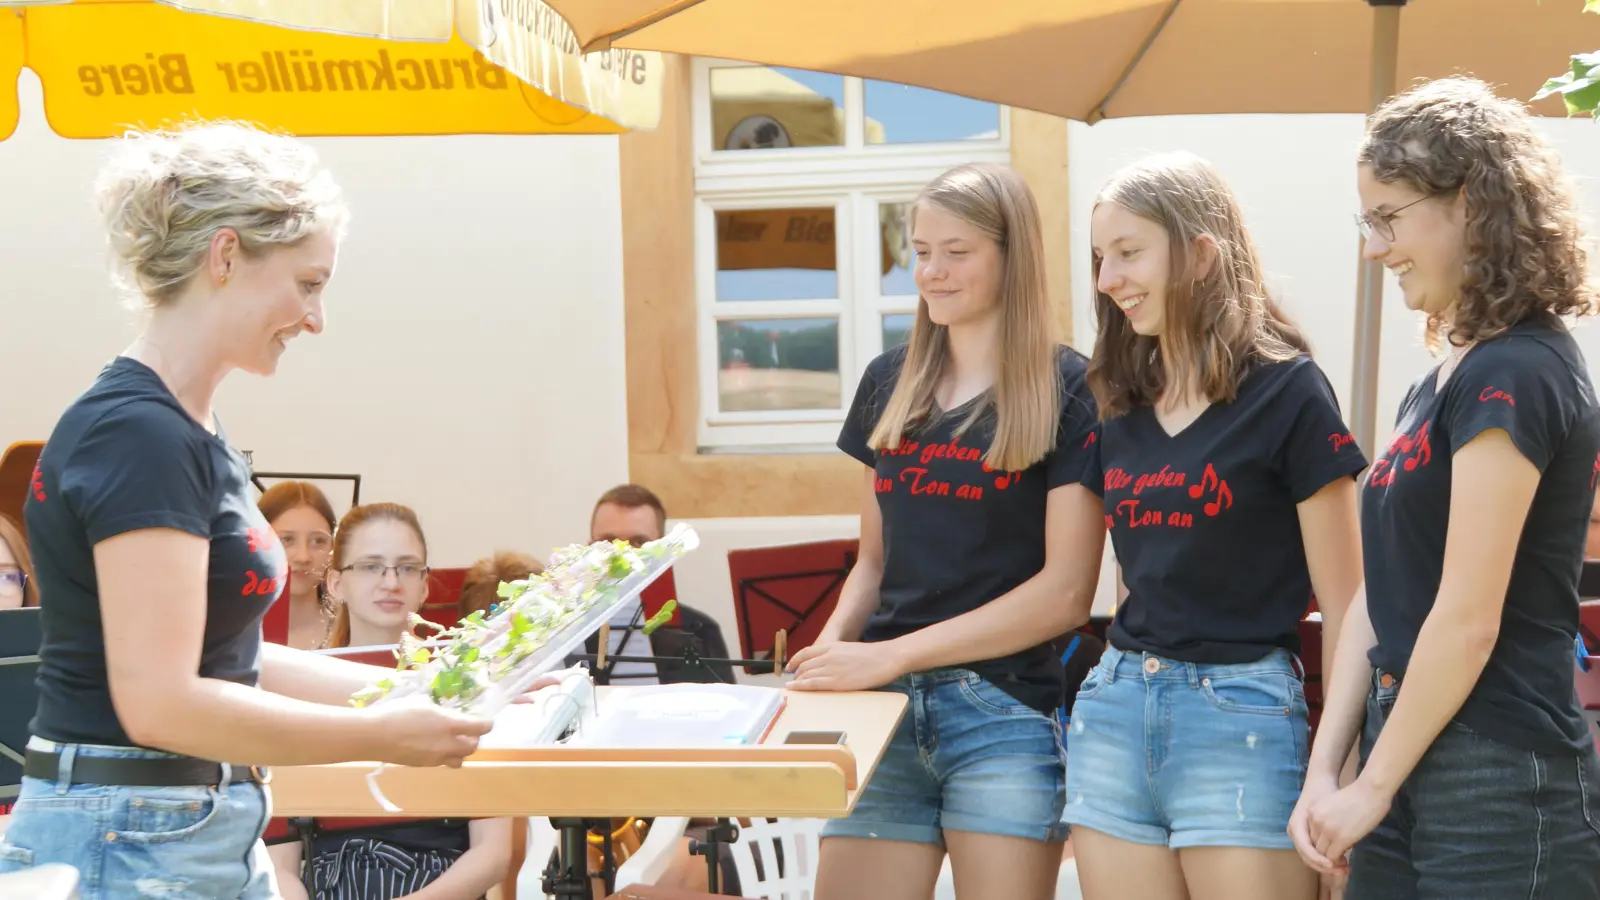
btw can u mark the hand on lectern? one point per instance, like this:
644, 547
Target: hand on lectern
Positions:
418, 733
843, 666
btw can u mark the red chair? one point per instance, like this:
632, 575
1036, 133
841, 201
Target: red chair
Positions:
444, 597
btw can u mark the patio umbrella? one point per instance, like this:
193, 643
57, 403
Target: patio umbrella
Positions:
1096, 59
321, 67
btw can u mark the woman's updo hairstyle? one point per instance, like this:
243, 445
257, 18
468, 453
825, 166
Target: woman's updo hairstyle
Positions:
165, 194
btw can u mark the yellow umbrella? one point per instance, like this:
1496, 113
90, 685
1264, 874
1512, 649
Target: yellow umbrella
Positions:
1097, 59
108, 64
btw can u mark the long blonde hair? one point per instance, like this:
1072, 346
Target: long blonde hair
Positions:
1220, 317
1026, 399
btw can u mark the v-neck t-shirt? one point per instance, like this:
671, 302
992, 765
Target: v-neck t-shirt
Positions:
1205, 522
125, 456
957, 533
1533, 384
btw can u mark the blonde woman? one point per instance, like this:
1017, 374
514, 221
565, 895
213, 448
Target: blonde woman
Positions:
978, 544
1228, 483
145, 772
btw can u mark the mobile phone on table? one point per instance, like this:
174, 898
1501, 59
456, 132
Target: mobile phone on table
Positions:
814, 737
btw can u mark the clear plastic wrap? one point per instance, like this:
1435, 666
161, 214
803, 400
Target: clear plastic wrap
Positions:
484, 663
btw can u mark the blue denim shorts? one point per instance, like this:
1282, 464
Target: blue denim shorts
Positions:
1189, 755
1481, 820
177, 843
966, 757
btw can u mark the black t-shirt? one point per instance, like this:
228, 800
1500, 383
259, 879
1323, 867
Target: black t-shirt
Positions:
125, 456
1532, 383
956, 533
1204, 523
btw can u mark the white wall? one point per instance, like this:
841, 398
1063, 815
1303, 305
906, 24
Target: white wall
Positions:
473, 362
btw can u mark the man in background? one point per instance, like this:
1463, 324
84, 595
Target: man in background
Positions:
633, 513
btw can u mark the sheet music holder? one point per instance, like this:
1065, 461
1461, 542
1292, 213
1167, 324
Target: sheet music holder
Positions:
791, 588
20, 636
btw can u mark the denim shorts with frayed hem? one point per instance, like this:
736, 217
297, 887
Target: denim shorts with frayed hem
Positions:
1181, 754
1480, 820
178, 843
966, 757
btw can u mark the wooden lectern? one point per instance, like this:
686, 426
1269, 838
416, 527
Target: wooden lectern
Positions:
767, 779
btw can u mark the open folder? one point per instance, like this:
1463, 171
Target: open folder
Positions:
680, 716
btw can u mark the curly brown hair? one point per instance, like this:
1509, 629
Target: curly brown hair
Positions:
1220, 317
481, 587
1526, 247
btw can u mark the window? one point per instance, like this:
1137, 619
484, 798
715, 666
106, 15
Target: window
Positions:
802, 245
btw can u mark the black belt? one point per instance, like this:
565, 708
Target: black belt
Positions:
141, 772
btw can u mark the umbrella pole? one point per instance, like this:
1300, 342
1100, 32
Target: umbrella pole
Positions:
1369, 302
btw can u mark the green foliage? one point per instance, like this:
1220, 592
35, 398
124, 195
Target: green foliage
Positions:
1579, 86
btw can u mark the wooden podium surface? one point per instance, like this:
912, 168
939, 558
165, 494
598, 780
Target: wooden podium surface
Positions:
768, 779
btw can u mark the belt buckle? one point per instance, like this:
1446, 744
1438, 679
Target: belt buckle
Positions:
261, 775
1385, 680
1151, 665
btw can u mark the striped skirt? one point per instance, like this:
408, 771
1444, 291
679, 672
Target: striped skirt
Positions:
368, 869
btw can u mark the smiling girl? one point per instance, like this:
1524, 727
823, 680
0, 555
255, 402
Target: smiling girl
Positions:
1227, 477
1479, 777
159, 706
978, 545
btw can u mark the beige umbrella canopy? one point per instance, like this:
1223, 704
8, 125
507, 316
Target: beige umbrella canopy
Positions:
1096, 59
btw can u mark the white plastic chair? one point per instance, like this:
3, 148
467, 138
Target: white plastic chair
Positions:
645, 866
760, 839
48, 882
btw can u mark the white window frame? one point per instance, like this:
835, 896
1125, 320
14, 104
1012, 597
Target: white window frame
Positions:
854, 179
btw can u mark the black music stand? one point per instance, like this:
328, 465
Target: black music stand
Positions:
20, 636
355, 480
791, 589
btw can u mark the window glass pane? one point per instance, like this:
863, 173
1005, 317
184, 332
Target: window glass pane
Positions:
767, 107
894, 226
900, 114
776, 254
897, 329
766, 364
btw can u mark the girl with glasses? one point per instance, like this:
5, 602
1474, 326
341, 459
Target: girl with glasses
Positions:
378, 577
17, 586
1454, 673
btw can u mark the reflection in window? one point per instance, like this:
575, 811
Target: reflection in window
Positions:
777, 254
897, 329
767, 108
894, 222
771, 364
912, 115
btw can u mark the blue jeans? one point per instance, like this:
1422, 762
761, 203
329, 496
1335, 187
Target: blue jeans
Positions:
1481, 820
1184, 754
966, 757
132, 843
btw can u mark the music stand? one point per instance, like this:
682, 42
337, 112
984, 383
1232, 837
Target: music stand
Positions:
20, 636
355, 480
791, 589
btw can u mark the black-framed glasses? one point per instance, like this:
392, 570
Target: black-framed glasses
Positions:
407, 573
13, 581
1383, 223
